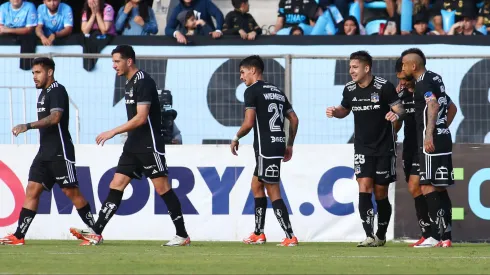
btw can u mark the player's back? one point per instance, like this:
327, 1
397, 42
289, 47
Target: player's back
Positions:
271, 106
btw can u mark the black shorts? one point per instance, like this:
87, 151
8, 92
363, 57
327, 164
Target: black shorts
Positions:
382, 169
436, 170
134, 165
268, 170
411, 164
48, 173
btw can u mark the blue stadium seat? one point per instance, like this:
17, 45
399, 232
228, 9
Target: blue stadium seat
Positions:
375, 5
448, 18
324, 25
355, 10
406, 16
284, 31
307, 29
479, 5
373, 26
483, 29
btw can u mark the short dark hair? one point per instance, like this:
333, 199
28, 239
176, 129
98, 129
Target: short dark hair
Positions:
416, 51
46, 62
362, 56
188, 15
399, 65
238, 3
126, 52
253, 61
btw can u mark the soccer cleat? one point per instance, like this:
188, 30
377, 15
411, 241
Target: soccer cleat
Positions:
84, 243
429, 242
10, 239
379, 242
368, 242
179, 241
255, 239
87, 235
446, 243
289, 242
421, 240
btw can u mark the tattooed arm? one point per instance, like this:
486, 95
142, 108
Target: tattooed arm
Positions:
432, 109
53, 119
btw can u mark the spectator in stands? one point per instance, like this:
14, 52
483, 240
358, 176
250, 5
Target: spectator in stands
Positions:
294, 12
55, 20
240, 22
17, 17
295, 30
451, 5
98, 16
419, 7
351, 27
420, 24
390, 7
203, 9
466, 26
484, 16
190, 26
342, 6
136, 18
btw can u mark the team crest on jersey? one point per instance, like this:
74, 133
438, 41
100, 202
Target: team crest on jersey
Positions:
16, 19
357, 169
374, 97
53, 21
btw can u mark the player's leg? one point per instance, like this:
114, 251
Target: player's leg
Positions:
282, 214
365, 169
385, 174
258, 236
444, 180
447, 206
38, 180
421, 208
154, 166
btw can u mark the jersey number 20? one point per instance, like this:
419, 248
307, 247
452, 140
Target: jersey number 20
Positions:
277, 114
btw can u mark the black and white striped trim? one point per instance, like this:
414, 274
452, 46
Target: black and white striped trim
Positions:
139, 75
158, 162
350, 83
380, 80
53, 85
71, 173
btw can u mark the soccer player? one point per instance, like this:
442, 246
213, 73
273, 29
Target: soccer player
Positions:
55, 161
143, 152
371, 99
435, 146
55, 20
411, 165
17, 17
265, 109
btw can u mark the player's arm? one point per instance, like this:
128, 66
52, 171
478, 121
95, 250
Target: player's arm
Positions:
248, 121
53, 119
451, 111
398, 125
293, 129
343, 109
390, 96
432, 110
141, 117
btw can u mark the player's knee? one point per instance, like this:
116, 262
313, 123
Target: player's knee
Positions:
71, 193
119, 182
381, 193
273, 191
34, 191
414, 188
365, 186
161, 185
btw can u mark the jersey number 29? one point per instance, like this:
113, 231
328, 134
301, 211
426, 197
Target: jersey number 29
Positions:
273, 108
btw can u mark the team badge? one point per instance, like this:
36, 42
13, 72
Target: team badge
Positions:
53, 22
357, 169
374, 98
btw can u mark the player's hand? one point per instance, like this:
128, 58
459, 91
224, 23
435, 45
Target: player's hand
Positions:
399, 87
46, 41
252, 35
331, 112
288, 154
234, 147
390, 116
243, 34
429, 144
19, 129
139, 20
181, 38
216, 34
102, 138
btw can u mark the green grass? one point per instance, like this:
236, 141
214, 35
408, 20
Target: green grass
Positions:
147, 257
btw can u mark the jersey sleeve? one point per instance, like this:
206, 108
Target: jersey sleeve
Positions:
390, 94
288, 108
144, 87
58, 99
40, 18
31, 20
432, 90
108, 13
281, 12
250, 99
3, 14
345, 99
67, 16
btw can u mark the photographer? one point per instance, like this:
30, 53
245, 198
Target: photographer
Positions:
170, 132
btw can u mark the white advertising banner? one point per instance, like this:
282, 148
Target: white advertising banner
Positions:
318, 186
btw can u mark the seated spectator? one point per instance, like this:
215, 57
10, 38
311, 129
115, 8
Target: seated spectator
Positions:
450, 5
466, 26
484, 16
420, 24
296, 30
17, 17
293, 12
136, 18
190, 26
203, 9
55, 20
240, 22
351, 27
98, 16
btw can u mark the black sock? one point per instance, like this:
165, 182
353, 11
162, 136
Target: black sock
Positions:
260, 209
25, 220
175, 212
422, 212
448, 210
282, 216
435, 214
367, 213
384, 216
109, 208
86, 215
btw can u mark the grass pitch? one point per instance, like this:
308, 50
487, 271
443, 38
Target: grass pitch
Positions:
148, 257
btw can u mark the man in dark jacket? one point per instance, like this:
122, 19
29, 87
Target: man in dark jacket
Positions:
240, 22
203, 9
